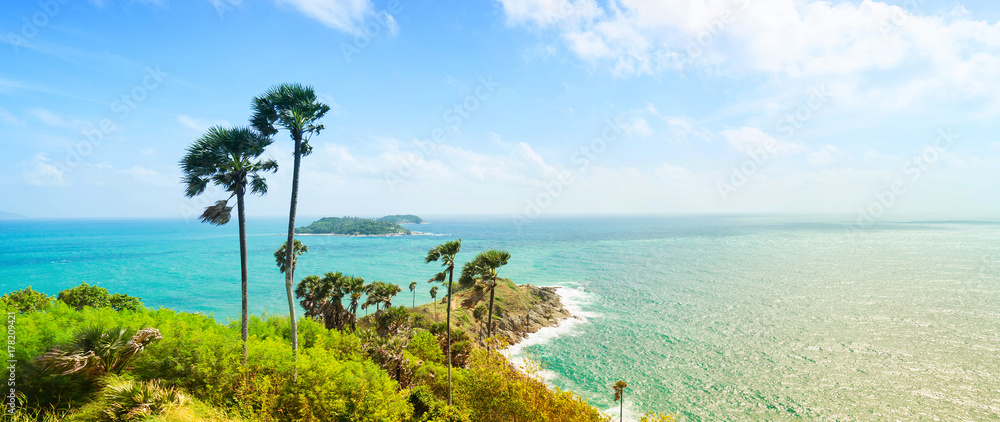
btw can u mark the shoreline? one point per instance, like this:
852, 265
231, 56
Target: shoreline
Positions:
516, 352
411, 233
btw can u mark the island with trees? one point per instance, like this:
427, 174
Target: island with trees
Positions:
354, 226
402, 219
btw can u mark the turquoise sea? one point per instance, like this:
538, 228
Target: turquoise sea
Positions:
708, 317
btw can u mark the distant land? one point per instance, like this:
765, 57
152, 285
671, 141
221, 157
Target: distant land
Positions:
402, 219
355, 226
4, 215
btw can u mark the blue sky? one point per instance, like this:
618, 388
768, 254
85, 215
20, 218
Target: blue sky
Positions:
512, 107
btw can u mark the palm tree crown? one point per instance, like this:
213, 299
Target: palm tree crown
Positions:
225, 156
486, 266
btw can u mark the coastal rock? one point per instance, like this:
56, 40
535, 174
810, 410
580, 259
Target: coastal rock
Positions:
547, 310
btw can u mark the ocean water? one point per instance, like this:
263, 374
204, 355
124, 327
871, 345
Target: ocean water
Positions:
706, 317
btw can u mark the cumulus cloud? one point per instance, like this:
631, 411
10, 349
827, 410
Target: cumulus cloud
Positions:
931, 56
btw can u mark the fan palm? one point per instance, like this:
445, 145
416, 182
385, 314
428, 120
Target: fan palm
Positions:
293, 107
486, 266
97, 351
619, 388
413, 289
434, 296
446, 253
227, 157
356, 288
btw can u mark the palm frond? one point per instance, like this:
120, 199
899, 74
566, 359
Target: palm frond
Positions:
218, 214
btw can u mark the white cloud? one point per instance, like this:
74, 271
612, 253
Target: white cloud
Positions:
751, 140
826, 156
147, 152
343, 15
200, 125
683, 127
638, 127
929, 57
45, 172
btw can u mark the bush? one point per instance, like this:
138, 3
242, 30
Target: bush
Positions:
127, 400
429, 408
97, 297
26, 300
347, 390
494, 390
425, 346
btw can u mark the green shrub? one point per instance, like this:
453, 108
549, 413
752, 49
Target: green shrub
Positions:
494, 390
97, 297
429, 408
128, 400
424, 346
26, 300
85, 295
120, 302
347, 390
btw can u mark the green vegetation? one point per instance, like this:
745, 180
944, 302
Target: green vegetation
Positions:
98, 297
162, 365
26, 300
402, 219
353, 226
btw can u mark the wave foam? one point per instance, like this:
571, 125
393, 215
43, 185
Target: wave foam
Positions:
573, 299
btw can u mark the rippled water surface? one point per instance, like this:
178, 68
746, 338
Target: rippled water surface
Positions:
710, 318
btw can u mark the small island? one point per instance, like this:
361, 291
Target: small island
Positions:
354, 226
402, 219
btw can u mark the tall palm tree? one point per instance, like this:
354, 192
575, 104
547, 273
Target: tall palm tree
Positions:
446, 253
228, 157
356, 288
434, 296
293, 107
486, 266
619, 388
413, 289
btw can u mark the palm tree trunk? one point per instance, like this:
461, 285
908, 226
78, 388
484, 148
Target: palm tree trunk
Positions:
621, 410
451, 273
242, 217
489, 322
290, 273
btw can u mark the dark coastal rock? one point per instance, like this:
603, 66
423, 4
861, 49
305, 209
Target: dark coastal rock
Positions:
546, 311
